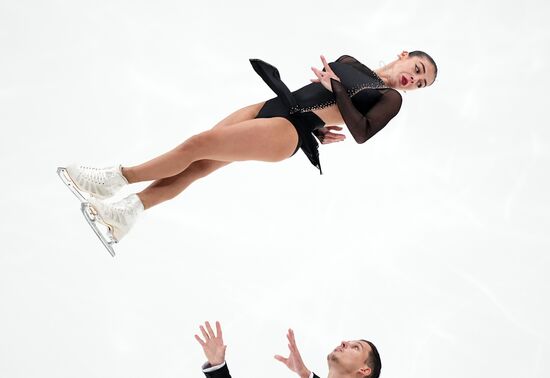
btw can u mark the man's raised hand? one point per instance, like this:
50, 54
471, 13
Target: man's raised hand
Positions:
212, 345
294, 360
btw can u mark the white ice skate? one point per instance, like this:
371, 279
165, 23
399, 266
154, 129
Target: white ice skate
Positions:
103, 229
98, 182
118, 216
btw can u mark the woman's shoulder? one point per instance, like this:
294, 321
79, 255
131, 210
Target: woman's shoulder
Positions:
350, 60
392, 98
388, 94
391, 93
347, 59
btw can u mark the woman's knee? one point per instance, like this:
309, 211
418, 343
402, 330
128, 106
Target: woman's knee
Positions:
199, 142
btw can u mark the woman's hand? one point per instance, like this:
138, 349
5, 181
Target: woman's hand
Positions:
324, 77
326, 136
294, 361
212, 345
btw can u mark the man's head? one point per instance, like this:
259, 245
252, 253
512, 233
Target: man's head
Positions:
357, 358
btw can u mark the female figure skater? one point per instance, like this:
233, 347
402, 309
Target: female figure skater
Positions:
345, 91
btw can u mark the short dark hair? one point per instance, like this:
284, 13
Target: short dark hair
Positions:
422, 54
373, 361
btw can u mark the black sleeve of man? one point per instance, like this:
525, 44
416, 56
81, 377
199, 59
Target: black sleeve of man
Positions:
222, 372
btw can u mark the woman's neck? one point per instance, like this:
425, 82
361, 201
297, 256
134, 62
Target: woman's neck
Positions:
384, 74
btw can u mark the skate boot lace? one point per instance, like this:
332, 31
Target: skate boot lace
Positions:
97, 176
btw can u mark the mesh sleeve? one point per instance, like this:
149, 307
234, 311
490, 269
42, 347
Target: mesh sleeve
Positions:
347, 59
364, 126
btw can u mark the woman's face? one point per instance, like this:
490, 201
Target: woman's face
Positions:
411, 72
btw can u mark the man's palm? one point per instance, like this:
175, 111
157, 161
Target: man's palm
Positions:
294, 361
212, 345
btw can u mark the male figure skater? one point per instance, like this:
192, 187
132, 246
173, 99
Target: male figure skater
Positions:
350, 359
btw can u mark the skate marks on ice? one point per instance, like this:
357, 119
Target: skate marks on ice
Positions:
103, 231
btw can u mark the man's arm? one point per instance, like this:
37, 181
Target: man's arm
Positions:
218, 371
214, 350
294, 360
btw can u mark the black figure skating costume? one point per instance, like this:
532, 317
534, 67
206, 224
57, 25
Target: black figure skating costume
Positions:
365, 102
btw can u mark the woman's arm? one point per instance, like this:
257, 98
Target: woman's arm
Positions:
363, 126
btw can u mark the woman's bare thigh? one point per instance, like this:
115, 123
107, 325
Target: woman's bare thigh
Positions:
243, 114
263, 139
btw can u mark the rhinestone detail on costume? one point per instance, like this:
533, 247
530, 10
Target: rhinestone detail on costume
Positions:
351, 92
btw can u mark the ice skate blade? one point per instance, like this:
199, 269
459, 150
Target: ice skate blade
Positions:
93, 218
69, 183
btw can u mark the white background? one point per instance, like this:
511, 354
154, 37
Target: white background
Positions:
431, 239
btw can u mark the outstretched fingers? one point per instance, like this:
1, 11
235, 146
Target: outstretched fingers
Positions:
209, 334
282, 359
212, 344
210, 330
332, 137
219, 330
324, 77
204, 334
317, 73
291, 338
325, 64
201, 342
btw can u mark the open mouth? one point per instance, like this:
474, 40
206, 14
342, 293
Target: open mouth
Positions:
404, 80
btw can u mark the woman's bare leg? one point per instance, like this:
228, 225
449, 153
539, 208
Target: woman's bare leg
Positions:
169, 187
243, 114
262, 139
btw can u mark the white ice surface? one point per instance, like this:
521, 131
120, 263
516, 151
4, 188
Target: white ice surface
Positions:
432, 239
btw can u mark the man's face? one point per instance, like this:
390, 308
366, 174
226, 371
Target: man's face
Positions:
350, 357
